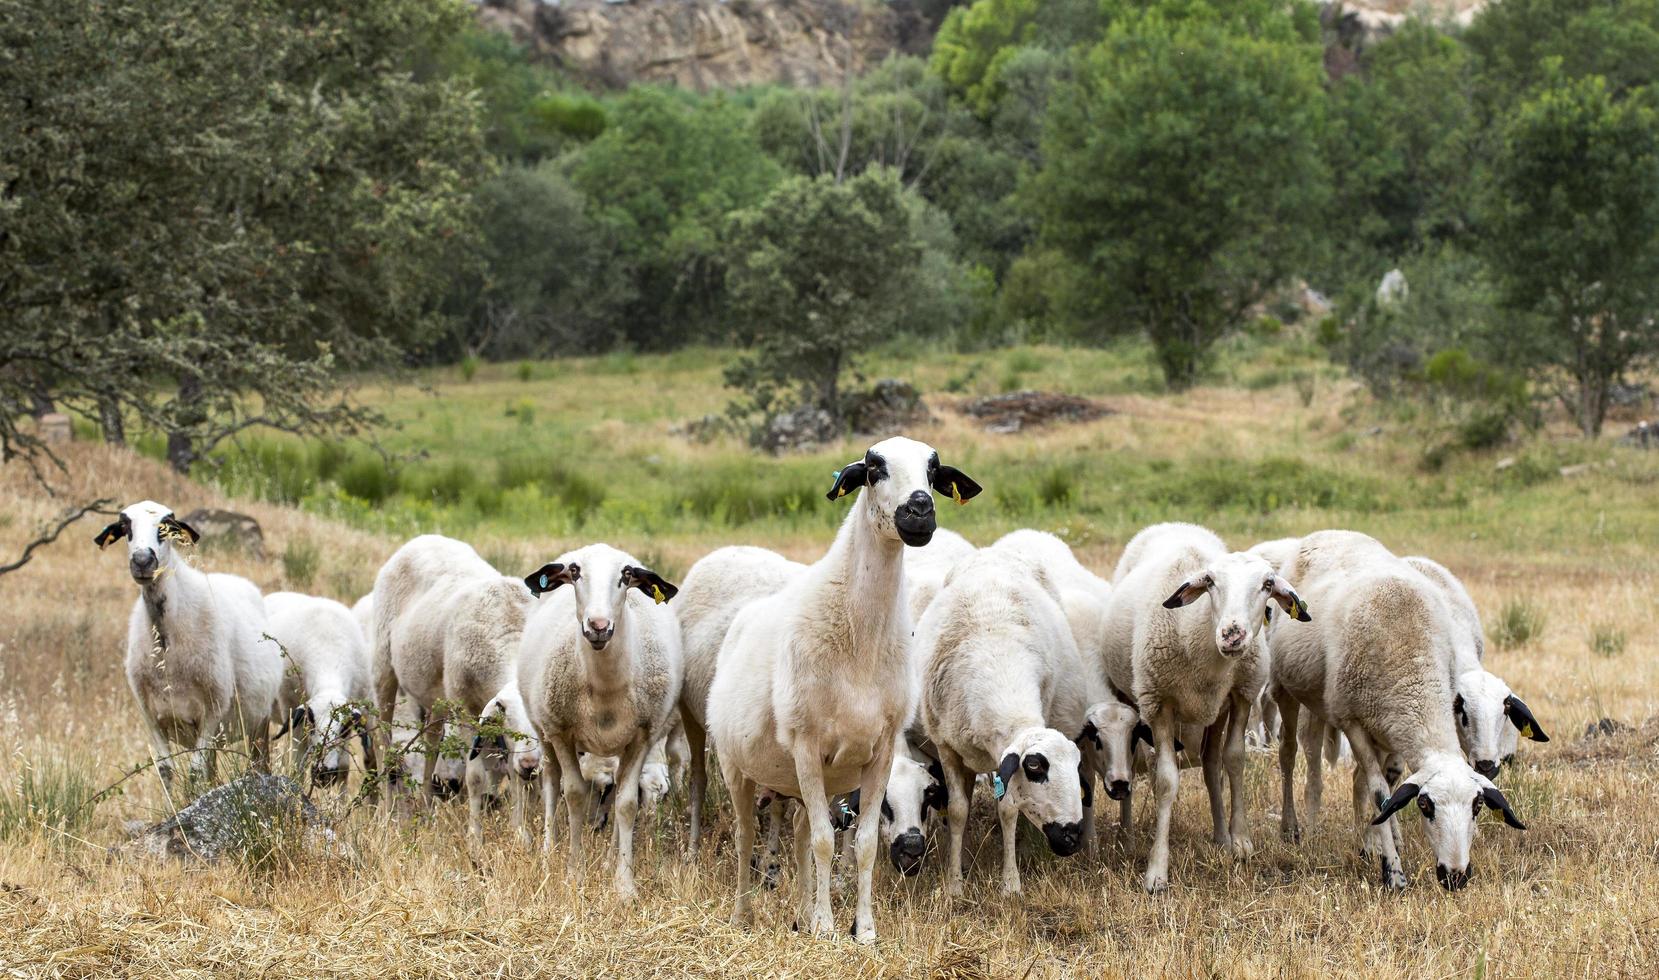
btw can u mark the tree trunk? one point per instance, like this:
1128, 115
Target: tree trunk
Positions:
114, 426
1593, 391
43, 404
181, 449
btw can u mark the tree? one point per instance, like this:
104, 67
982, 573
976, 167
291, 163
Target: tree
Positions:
1181, 168
817, 272
1571, 232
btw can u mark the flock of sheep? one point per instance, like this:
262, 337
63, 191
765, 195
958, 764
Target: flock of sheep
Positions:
905, 667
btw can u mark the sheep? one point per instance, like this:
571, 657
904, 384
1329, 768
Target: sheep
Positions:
664, 767
1189, 663
713, 590
999, 693
1491, 720
323, 695
197, 660
915, 790
408, 723
446, 631
1378, 667
601, 669
925, 568
814, 682
504, 747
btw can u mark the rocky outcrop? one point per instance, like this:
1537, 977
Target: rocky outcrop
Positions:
709, 44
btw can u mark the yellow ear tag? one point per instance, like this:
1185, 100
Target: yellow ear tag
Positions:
956, 494
1526, 731
840, 492
656, 593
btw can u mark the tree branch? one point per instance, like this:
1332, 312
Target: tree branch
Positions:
70, 517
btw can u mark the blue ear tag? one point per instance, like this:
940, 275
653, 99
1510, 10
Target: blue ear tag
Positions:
996, 785
835, 479
544, 581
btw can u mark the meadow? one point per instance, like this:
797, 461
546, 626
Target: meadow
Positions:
1557, 546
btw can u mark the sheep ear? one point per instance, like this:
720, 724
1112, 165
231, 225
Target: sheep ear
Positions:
1289, 601
1090, 733
1521, 717
1405, 794
1010, 765
847, 479
1143, 733
1189, 591
1495, 801
649, 582
549, 577
113, 532
955, 484
179, 529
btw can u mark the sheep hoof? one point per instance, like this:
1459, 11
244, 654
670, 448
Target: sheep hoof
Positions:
1242, 848
866, 935
1157, 883
1291, 834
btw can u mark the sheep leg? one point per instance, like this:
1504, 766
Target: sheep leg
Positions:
1085, 775
478, 786
1270, 720
380, 736
773, 872
1289, 829
1008, 816
959, 783
550, 774
743, 812
159, 747
801, 845
809, 774
697, 739
435, 722
1312, 734
872, 786
518, 790
1166, 782
626, 808
575, 793
1215, 737
1233, 757
203, 757
1393, 772
1370, 791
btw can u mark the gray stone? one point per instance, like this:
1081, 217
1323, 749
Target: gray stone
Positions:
245, 816
228, 527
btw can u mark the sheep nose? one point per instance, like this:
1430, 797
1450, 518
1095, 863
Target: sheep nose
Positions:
1487, 768
599, 624
1118, 789
143, 563
1453, 880
920, 504
527, 768
907, 851
1063, 839
599, 632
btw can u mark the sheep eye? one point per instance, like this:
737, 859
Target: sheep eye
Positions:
1476, 807
1427, 806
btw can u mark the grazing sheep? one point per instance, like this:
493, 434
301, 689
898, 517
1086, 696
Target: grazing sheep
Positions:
815, 682
601, 671
446, 632
915, 791
1000, 693
325, 689
1379, 669
1491, 720
197, 660
714, 589
925, 568
505, 748
407, 725
1189, 662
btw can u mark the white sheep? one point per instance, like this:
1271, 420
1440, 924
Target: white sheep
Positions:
1379, 669
601, 671
1186, 661
915, 792
409, 722
1001, 693
925, 568
713, 590
446, 632
505, 748
197, 661
326, 686
815, 682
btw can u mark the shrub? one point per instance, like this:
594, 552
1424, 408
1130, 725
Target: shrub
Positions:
368, 478
1520, 622
300, 560
50, 794
469, 367
1607, 640
526, 370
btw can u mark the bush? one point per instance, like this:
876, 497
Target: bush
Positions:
1607, 641
1520, 622
469, 366
300, 560
50, 794
368, 478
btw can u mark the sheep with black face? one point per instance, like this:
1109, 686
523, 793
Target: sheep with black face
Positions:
197, 660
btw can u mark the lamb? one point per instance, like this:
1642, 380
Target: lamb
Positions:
713, 590
504, 747
446, 632
1490, 719
915, 790
1189, 663
1379, 669
999, 694
600, 668
197, 661
815, 682
323, 695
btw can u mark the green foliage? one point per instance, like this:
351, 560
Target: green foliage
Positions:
1181, 168
469, 367
1519, 622
300, 558
818, 272
1607, 640
975, 42
51, 795
526, 116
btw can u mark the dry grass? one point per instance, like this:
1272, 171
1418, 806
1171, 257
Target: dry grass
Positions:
1577, 895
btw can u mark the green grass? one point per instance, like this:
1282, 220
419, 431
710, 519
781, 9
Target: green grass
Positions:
51, 795
1519, 622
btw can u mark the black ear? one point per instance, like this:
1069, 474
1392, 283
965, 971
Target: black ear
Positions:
550, 576
1180, 746
937, 771
355, 722
1495, 800
113, 532
1289, 600
955, 484
178, 527
649, 582
1142, 733
1521, 717
1458, 709
855, 799
1087, 781
1189, 591
1010, 765
477, 747
1035, 765
847, 479
1405, 794
1091, 733
886, 811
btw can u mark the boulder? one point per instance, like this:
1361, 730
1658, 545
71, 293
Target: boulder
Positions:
801, 428
55, 429
246, 817
1020, 410
229, 528
890, 406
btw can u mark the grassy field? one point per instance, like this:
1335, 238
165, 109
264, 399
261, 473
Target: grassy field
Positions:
525, 460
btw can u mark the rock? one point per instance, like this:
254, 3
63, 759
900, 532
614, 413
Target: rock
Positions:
1603, 727
1621, 395
801, 428
1393, 289
1577, 469
1019, 410
55, 429
248, 816
228, 527
1644, 436
1505, 463
710, 44
706, 429
889, 407
1313, 302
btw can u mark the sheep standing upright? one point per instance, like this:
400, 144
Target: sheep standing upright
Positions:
446, 633
1380, 672
1002, 692
814, 682
600, 671
327, 687
197, 661
1187, 661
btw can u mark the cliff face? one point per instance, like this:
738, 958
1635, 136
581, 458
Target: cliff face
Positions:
708, 44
